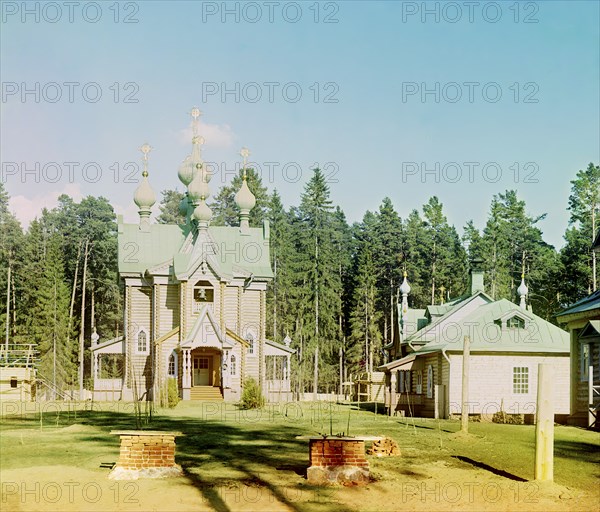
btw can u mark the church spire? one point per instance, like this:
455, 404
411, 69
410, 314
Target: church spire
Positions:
244, 198
195, 175
144, 196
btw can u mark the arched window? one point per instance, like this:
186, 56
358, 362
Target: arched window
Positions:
142, 341
232, 365
250, 340
172, 366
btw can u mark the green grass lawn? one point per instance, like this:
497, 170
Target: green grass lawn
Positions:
222, 444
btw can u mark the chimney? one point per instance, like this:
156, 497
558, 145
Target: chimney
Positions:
477, 276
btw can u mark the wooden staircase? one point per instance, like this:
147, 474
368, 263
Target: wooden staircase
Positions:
206, 393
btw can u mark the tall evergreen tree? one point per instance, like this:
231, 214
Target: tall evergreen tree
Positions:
577, 256
169, 208
280, 307
11, 241
226, 212
387, 252
321, 285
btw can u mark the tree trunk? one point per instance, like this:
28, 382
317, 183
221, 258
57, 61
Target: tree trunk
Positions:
82, 327
73, 294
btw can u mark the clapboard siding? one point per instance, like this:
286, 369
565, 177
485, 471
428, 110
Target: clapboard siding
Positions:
491, 383
231, 308
169, 308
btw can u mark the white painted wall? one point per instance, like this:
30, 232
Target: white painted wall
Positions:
491, 383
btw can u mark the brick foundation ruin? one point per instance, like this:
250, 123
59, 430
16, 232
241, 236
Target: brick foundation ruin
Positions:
338, 460
145, 454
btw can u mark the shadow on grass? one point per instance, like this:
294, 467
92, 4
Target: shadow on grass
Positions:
489, 468
580, 450
252, 448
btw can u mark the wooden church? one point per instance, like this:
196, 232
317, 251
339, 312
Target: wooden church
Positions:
195, 300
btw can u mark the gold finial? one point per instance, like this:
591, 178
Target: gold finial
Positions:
145, 149
405, 273
245, 153
442, 289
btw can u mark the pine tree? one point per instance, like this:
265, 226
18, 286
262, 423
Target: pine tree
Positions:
280, 310
364, 351
11, 241
321, 288
577, 256
226, 212
386, 256
169, 208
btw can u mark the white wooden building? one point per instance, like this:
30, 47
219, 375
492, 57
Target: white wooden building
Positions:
507, 342
195, 301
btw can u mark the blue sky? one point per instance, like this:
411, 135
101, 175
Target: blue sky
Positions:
380, 137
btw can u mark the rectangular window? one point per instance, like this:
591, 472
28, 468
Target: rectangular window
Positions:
400, 382
585, 361
520, 380
419, 382
13, 382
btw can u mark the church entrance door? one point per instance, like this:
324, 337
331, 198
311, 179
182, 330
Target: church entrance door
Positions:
202, 371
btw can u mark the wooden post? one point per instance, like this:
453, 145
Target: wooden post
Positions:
464, 415
7, 313
544, 428
591, 412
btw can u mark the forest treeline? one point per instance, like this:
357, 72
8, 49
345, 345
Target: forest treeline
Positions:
335, 289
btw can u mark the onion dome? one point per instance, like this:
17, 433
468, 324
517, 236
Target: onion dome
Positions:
244, 198
186, 171
198, 188
144, 196
203, 213
522, 290
405, 287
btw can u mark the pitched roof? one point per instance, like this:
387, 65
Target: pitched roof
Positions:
486, 326
227, 250
585, 305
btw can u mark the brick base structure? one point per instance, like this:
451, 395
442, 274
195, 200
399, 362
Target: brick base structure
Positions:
149, 454
339, 460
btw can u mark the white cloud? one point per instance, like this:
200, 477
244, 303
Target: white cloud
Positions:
28, 208
215, 135
129, 212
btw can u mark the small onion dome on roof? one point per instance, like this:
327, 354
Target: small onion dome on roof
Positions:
244, 198
144, 196
186, 171
198, 188
202, 213
522, 290
405, 287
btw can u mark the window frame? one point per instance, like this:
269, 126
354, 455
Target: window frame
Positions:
520, 380
137, 341
584, 362
172, 358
